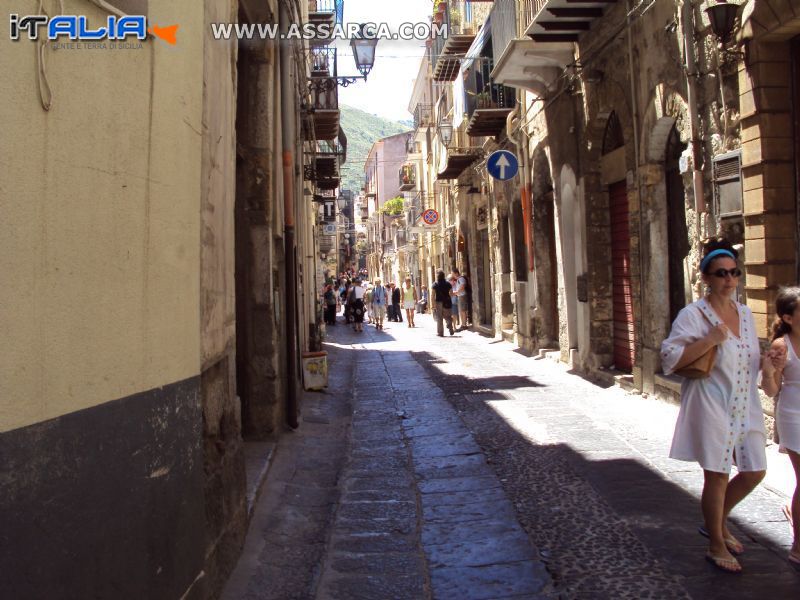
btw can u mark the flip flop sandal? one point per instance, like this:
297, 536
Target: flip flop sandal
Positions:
735, 547
787, 512
728, 565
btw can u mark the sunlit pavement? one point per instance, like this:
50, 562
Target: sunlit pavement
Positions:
468, 470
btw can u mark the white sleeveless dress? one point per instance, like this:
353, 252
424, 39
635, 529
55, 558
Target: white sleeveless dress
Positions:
788, 411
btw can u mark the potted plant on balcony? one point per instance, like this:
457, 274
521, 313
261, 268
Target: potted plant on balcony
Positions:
455, 18
393, 207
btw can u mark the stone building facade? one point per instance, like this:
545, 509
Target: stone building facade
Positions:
639, 133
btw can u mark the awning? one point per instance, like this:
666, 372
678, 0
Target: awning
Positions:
484, 35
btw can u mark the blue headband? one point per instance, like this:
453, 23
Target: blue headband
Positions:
712, 255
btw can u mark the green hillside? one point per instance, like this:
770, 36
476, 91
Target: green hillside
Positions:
362, 130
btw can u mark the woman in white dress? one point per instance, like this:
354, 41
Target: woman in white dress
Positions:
720, 422
785, 382
409, 297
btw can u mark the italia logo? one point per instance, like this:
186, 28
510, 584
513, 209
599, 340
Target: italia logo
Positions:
76, 27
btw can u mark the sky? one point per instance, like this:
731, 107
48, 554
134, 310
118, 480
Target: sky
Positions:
388, 87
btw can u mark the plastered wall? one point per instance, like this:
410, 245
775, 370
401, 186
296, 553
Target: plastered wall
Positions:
99, 240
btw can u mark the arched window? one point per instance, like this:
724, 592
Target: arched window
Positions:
613, 138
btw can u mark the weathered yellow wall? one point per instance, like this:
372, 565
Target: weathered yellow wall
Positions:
99, 236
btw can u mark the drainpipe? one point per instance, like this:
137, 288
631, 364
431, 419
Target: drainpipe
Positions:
288, 136
687, 18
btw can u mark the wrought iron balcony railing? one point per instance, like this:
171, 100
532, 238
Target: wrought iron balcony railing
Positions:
423, 115
407, 178
327, 7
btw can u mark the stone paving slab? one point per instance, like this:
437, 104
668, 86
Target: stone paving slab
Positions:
512, 546
458, 484
490, 581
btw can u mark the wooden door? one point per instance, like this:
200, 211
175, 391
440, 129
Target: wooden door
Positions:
621, 277
485, 282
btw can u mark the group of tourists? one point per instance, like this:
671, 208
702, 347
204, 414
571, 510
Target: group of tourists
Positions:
377, 302
374, 302
452, 302
714, 343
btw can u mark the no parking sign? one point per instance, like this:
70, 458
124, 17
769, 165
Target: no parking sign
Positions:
430, 216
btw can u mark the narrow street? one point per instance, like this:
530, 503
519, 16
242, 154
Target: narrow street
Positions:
458, 468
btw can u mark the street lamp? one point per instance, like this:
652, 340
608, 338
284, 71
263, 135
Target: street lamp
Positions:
364, 51
341, 203
722, 16
446, 132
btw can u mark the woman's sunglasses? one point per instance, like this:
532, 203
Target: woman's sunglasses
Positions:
721, 273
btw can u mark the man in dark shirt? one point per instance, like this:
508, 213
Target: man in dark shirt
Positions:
443, 304
398, 316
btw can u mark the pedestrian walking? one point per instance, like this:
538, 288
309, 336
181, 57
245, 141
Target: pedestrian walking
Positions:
345, 294
329, 298
720, 422
453, 301
398, 314
409, 298
356, 302
443, 304
423, 299
460, 290
368, 303
784, 384
380, 298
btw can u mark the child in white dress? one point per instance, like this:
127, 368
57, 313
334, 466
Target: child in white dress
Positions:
785, 382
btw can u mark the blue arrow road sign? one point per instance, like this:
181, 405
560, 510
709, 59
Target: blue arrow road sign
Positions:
502, 165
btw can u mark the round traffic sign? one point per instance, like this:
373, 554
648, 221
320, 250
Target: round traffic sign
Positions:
430, 216
502, 165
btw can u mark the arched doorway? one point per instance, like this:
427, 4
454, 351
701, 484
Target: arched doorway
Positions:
621, 284
546, 256
677, 230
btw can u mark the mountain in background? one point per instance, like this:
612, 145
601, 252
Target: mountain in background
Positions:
362, 130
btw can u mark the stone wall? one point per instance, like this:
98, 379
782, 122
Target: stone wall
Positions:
223, 455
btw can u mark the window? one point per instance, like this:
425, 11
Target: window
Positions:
613, 137
728, 184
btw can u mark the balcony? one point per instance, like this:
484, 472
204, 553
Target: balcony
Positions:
458, 159
324, 91
487, 103
519, 61
323, 169
447, 52
324, 12
558, 21
407, 178
423, 116
412, 147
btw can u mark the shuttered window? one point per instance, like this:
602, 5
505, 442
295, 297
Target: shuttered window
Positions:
727, 169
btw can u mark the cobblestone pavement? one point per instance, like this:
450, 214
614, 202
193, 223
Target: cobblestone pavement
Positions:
458, 468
